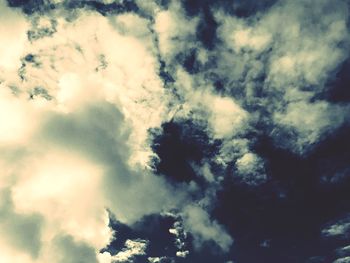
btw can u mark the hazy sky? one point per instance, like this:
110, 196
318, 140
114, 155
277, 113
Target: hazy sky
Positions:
153, 131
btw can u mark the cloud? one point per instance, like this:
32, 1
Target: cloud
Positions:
227, 117
180, 239
286, 66
18, 128
95, 93
132, 248
13, 37
337, 229
20, 231
73, 252
197, 221
250, 169
342, 260
343, 251
174, 30
311, 121
87, 150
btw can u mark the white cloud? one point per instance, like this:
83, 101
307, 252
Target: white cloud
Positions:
14, 112
87, 148
66, 160
52, 185
340, 228
70, 70
132, 248
250, 169
227, 117
174, 29
9, 254
311, 121
299, 52
293, 47
240, 36
224, 115
13, 28
197, 221
158, 259
342, 260
336, 230
245, 38
182, 254
180, 236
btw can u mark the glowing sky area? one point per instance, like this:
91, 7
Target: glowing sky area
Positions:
174, 131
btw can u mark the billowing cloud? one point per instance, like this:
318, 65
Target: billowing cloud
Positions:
75, 142
198, 222
207, 119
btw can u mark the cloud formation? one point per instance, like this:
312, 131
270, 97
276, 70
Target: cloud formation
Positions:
212, 117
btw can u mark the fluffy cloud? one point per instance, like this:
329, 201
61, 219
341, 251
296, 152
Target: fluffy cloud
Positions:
173, 29
83, 83
283, 67
75, 142
132, 248
250, 169
197, 221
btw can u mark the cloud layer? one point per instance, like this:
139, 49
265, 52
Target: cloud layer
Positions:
221, 123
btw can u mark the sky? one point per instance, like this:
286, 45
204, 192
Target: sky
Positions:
175, 131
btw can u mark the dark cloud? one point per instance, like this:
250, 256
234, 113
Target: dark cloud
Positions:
153, 228
292, 208
87, 132
237, 8
191, 63
164, 3
21, 230
162, 244
164, 74
207, 26
206, 29
178, 146
39, 6
71, 251
30, 6
338, 87
105, 8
